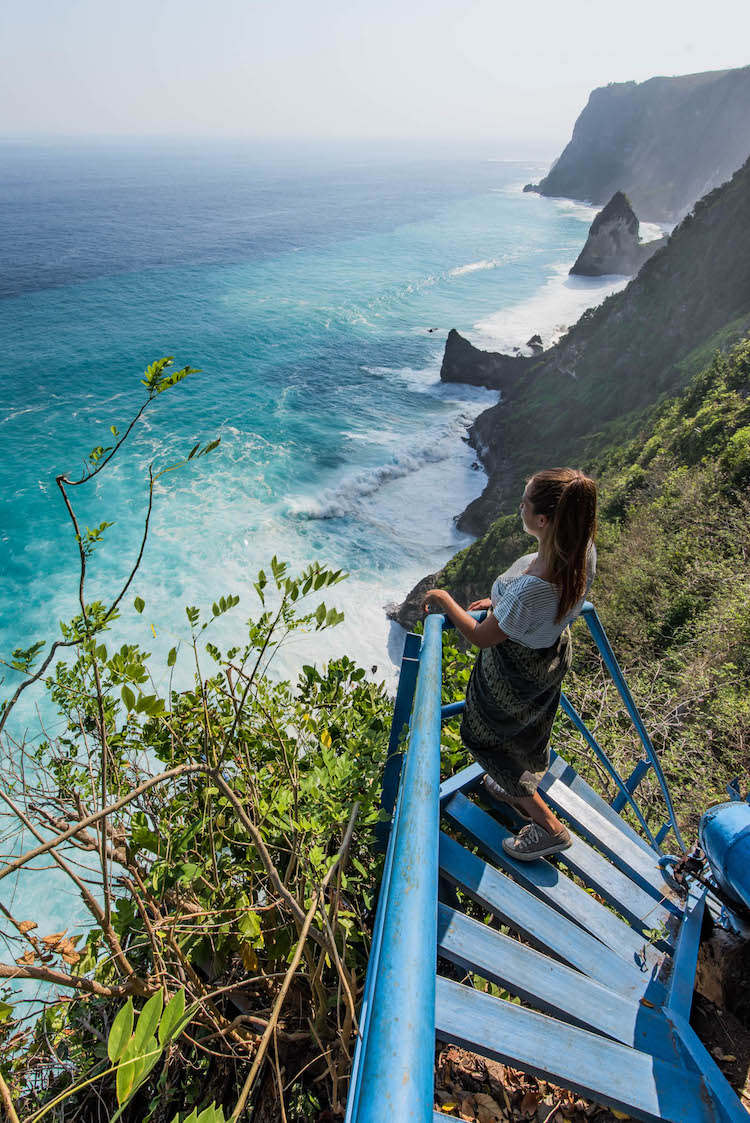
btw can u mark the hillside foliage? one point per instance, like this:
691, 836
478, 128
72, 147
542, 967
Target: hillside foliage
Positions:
672, 589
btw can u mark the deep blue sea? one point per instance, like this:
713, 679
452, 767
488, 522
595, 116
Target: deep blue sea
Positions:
314, 287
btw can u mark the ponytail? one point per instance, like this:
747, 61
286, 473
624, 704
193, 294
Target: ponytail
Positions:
568, 498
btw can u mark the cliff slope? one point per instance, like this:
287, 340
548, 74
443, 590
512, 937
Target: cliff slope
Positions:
665, 142
640, 344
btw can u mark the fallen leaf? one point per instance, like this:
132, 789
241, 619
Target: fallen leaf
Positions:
645, 1002
729, 1058
466, 1110
27, 926
619, 1114
529, 1103
487, 1101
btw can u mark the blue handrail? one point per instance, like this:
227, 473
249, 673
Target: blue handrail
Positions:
395, 1054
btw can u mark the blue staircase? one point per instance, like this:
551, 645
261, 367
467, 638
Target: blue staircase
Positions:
605, 978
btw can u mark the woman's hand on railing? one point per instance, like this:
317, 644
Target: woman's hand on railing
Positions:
480, 605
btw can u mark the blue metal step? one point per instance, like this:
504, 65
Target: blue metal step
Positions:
550, 986
540, 924
628, 899
629, 1080
546, 881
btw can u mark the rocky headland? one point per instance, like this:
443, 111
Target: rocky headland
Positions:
613, 244
665, 142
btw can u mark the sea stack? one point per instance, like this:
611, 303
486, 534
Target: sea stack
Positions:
613, 245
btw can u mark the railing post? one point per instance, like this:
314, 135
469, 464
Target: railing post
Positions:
397, 1064
600, 638
407, 681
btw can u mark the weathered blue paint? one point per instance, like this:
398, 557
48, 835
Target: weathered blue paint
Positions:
561, 770
724, 835
591, 617
402, 707
549, 884
682, 980
626, 1079
550, 986
397, 1056
604, 760
372, 968
722, 1096
541, 924
631, 784
639, 864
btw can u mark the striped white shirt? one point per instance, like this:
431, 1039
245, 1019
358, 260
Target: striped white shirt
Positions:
525, 606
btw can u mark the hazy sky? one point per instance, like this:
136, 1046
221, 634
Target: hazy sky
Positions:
344, 68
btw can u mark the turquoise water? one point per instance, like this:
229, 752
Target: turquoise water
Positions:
304, 286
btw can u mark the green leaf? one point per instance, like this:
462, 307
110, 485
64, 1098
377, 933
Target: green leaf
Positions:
148, 1019
140, 604
150, 1055
128, 698
127, 1071
5, 1011
172, 657
249, 925
119, 1034
173, 1014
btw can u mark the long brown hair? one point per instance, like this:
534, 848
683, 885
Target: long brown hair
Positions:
568, 498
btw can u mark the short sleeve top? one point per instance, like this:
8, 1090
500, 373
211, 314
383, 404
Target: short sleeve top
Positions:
525, 606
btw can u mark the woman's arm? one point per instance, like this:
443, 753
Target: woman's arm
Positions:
486, 634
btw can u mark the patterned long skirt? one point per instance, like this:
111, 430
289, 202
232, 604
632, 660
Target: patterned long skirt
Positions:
511, 702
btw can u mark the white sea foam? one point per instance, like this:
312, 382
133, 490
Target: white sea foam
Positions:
474, 266
650, 231
549, 313
339, 501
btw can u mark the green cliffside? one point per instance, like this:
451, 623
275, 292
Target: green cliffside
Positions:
673, 586
665, 142
647, 341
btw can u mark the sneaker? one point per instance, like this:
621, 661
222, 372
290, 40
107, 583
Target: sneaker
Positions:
533, 841
498, 793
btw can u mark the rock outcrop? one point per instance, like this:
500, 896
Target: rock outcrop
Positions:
665, 142
613, 245
463, 362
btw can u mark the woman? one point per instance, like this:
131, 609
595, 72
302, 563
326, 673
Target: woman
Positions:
524, 642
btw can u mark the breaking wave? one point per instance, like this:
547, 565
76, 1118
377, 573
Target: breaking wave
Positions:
339, 501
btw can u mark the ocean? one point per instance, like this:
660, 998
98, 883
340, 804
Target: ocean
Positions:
313, 287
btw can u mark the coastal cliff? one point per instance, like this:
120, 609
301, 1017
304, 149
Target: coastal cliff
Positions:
590, 391
613, 244
664, 142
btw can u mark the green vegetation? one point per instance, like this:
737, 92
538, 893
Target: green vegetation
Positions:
638, 348
673, 592
221, 837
